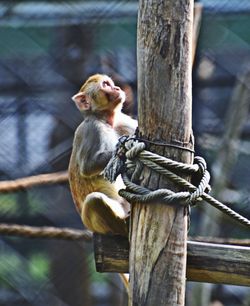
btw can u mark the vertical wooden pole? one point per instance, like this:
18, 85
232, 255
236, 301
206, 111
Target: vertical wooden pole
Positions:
158, 231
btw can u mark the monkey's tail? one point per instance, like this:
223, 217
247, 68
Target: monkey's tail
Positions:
125, 279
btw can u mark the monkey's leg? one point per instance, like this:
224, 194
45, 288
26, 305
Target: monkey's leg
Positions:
103, 215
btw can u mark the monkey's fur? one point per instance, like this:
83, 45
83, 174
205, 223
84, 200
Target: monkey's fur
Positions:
101, 208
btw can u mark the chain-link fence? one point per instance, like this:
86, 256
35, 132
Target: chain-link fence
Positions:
47, 50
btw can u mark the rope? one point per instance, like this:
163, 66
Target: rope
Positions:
44, 232
32, 181
131, 156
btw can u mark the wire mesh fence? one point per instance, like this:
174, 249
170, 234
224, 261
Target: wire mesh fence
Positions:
47, 50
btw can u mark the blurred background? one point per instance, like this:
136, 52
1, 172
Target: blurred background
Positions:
47, 49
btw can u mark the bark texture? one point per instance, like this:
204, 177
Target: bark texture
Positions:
158, 232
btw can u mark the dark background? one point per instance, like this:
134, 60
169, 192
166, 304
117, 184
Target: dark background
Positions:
47, 49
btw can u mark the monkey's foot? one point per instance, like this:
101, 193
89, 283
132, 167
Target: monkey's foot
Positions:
103, 215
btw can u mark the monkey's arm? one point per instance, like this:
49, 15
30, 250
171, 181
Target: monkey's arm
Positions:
96, 164
96, 149
126, 125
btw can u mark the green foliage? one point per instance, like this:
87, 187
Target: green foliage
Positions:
9, 264
16, 270
38, 266
95, 277
8, 204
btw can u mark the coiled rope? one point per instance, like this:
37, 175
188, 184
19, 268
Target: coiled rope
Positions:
130, 158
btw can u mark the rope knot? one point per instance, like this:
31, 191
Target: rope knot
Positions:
134, 148
129, 159
131, 156
202, 176
200, 161
117, 163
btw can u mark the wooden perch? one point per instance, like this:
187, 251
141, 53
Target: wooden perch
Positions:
206, 262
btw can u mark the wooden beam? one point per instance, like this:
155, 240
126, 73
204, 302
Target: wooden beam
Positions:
206, 262
218, 263
111, 253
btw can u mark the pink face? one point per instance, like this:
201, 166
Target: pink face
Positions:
114, 93
100, 93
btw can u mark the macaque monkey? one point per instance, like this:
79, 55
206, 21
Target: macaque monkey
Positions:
101, 208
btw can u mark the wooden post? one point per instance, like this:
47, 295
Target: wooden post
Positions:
158, 231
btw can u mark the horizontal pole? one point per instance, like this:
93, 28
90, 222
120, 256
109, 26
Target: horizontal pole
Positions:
33, 181
206, 262
26, 231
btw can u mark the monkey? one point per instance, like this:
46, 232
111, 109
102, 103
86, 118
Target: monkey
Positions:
101, 208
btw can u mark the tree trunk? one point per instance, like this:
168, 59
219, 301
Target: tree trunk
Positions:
158, 231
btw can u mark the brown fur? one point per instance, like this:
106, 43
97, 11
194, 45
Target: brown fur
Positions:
101, 208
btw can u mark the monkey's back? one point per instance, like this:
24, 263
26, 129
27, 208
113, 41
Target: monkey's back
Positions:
81, 185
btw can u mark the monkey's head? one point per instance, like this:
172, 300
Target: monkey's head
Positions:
99, 93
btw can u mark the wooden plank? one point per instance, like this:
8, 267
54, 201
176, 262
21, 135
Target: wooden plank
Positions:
111, 253
206, 262
217, 263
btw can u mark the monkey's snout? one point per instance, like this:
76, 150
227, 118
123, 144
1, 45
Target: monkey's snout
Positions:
117, 88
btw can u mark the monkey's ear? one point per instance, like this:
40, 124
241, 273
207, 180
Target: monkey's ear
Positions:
81, 101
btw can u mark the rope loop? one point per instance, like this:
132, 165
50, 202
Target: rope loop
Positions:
131, 157
134, 149
200, 161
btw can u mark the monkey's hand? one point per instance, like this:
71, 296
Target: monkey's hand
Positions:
116, 165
